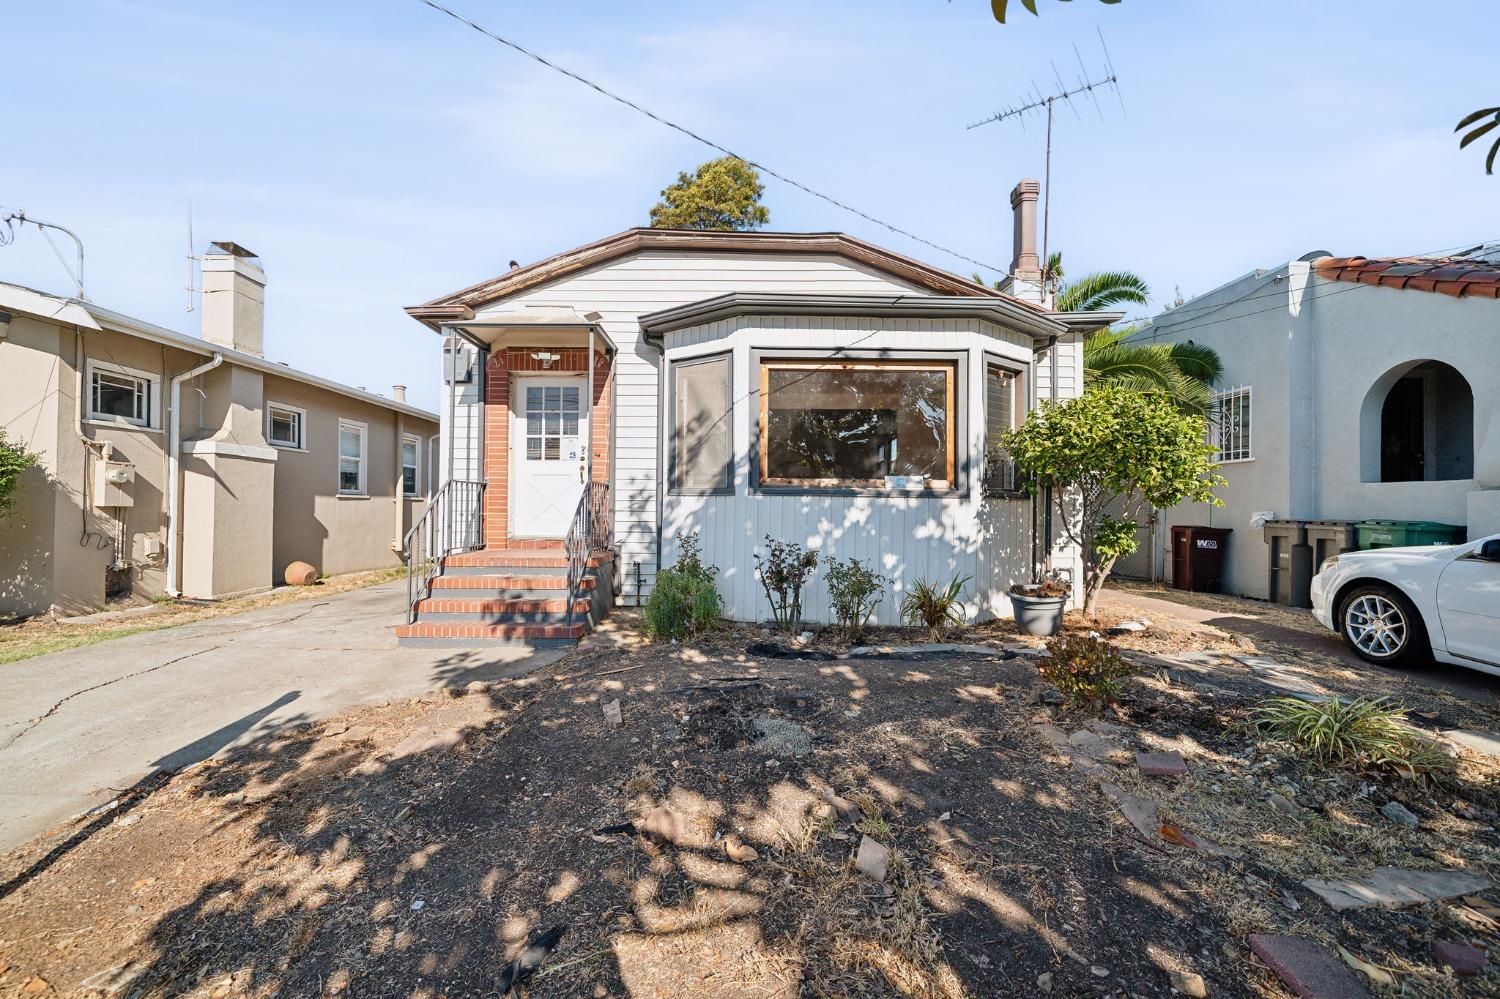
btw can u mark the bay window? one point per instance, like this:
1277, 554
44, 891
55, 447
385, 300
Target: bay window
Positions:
867, 424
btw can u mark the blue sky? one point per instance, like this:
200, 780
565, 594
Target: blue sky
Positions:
376, 154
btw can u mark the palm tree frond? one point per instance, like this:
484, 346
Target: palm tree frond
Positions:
1100, 290
1197, 361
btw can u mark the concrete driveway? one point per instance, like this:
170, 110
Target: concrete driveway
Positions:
77, 727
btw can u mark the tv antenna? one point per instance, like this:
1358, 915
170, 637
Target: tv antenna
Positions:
10, 219
192, 258
1038, 102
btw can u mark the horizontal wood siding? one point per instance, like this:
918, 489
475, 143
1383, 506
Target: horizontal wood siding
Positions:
623, 290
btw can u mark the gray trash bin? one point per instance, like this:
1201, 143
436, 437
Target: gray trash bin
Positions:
1331, 537
1290, 569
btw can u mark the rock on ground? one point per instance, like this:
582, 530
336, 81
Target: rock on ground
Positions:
1307, 969
1394, 888
872, 858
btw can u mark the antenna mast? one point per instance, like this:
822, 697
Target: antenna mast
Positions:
1039, 102
191, 258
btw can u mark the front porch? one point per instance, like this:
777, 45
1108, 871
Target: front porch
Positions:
524, 553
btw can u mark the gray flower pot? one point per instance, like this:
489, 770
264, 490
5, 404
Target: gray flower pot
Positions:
1040, 616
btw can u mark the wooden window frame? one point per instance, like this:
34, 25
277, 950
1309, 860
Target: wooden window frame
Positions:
674, 485
950, 416
1020, 407
152, 396
416, 479
300, 413
364, 459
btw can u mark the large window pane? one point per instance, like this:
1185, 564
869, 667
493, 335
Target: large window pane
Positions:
702, 428
863, 423
1002, 393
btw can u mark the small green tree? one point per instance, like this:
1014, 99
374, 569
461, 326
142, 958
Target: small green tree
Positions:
722, 194
1113, 445
14, 462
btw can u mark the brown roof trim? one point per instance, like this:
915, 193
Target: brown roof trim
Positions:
1455, 276
635, 240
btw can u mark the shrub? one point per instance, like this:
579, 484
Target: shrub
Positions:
14, 461
1366, 733
1085, 669
686, 600
855, 592
935, 609
783, 568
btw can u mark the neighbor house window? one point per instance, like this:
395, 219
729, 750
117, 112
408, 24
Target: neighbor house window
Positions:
1230, 425
884, 424
700, 456
121, 395
1004, 406
286, 426
411, 463
351, 458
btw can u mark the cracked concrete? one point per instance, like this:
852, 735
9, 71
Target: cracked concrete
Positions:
82, 724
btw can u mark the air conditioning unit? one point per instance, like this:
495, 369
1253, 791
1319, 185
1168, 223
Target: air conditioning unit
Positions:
114, 484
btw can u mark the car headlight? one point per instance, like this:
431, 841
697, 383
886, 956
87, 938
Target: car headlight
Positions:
1329, 563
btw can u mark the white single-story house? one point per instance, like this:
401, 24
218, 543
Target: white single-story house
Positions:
809, 387
1354, 389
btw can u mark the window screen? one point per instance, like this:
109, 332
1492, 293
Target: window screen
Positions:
409, 465
875, 423
702, 430
121, 397
351, 458
1002, 393
285, 427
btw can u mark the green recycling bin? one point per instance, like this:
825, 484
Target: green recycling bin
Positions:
1405, 533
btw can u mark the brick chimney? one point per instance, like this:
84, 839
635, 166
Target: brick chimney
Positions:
234, 298
1025, 281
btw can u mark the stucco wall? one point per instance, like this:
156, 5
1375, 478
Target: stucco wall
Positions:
1312, 350
44, 565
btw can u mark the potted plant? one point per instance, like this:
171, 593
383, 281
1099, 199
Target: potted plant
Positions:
1039, 606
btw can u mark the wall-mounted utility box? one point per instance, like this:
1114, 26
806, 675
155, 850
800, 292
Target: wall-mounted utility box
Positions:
114, 484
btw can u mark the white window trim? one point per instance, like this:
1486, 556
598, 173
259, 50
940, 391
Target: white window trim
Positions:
153, 417
416, 480
301, 426
364, 458
1217, 430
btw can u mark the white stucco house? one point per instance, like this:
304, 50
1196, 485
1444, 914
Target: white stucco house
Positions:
812, 387
1353, 389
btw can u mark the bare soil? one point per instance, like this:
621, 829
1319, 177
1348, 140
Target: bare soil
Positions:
412, 849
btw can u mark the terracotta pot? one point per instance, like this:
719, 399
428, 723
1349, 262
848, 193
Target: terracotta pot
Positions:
300, 574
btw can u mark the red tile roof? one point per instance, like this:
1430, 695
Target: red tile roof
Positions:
1471, 275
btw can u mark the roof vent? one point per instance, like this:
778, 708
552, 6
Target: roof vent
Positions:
1308, 258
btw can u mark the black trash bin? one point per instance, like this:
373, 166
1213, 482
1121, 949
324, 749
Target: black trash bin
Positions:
1329, 538
1290, 570
1198, 558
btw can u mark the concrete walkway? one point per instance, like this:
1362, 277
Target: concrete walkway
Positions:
1472, 684
78, 726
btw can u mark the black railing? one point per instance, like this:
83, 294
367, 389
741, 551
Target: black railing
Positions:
589, 532
451, 522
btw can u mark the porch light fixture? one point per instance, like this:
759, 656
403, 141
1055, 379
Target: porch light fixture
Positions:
546, 357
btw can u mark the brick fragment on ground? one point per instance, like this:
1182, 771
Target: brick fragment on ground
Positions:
1463, 959
1169, 764
1307, 969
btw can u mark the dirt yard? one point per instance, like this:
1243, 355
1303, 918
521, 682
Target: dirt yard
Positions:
705, 845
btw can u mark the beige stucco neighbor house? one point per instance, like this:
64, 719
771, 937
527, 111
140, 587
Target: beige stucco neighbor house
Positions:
810, 387
180, 465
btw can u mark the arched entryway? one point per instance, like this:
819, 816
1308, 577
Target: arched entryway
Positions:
1417, 425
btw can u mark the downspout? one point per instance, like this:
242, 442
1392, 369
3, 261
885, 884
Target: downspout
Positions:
661, 453
400, 490
1051, 391
174, 448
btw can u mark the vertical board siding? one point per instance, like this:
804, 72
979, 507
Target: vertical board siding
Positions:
904, 538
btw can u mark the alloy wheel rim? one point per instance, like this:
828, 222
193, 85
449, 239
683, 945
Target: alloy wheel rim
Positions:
1376, 626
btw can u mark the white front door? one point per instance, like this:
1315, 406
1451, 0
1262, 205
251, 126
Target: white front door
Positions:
549, 430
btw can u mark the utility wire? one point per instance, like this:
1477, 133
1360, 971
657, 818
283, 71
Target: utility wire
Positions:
705, 141
1196, 314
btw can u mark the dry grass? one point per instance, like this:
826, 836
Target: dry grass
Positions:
42, 634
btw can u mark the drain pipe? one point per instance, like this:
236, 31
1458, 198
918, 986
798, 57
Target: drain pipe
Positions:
174, 449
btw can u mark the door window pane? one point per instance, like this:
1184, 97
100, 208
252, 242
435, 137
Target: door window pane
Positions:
701, 436
552, 415
857, 424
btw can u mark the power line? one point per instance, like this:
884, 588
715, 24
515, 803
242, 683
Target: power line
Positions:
1201, 311
705, 141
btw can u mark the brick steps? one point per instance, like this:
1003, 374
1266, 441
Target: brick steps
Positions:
517, 558
555, 581
530, 633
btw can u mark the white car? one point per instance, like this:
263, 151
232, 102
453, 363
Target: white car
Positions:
1399, 606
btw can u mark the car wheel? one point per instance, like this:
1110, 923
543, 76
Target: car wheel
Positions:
1381, 626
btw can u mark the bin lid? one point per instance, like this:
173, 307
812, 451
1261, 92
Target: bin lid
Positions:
1412, 525
1286, 523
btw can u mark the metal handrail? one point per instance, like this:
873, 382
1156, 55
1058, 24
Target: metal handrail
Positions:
589, 531
451, 522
